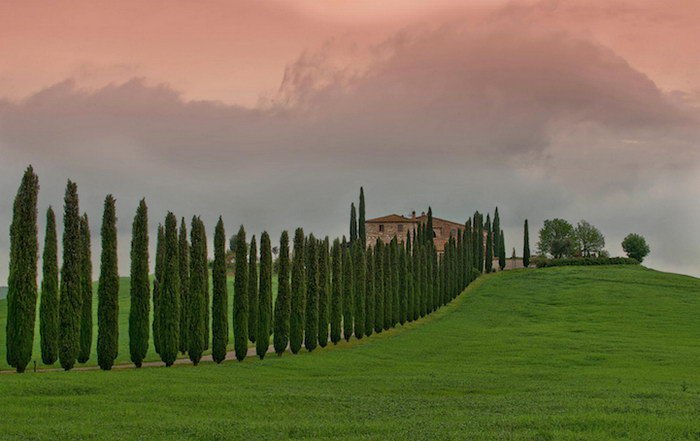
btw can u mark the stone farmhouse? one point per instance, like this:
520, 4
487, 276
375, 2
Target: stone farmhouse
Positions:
386, 227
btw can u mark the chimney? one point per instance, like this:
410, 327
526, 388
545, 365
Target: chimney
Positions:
413, 214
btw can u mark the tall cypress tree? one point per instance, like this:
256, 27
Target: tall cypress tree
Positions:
430, 233
353, 223
283, 301
526, 246
86, 291
264, 296
496, 229
22, 285
369, 292
71, 289
379, 286
388, 285
184, 261
395, 307
169, 303
361, 223
403, 286
240, 297
48, 310
108, 290
336, 292
359, 269
501, 251
311, 315
205, 270
423, 266
323, 292
348, 300
296, 318
488, 256
253, 282
196, 304
219, 304
139, 309
157, 285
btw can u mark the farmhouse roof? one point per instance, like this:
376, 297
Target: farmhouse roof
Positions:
392, 218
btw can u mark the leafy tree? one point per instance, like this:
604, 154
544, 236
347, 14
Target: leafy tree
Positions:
590, 241
157, 285
361, 223
265, 297
296, 319
22, 286
169, 303
196, 304
526, 246
353, 224
139, 309
324, 285
359, 269
336, 316
253, 281
348, 300
86, 291
311, 315
48, 310
108, 290
240, 298
635, 246
71, 289
184, 261
219, 305
557, 239
282, 304
369, 292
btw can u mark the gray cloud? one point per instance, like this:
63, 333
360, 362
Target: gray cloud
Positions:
539, 122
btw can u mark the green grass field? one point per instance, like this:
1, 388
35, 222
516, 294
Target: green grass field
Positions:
584, 353
124, 301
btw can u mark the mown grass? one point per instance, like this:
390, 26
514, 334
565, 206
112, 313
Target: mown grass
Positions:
553, 354
124, 301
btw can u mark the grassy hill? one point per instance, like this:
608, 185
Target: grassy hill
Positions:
585, 353
124, 300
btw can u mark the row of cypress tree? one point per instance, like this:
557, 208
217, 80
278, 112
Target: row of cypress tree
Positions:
327, 290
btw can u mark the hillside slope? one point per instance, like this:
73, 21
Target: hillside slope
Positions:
560, 353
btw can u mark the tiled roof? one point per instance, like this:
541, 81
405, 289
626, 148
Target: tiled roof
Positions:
392, 218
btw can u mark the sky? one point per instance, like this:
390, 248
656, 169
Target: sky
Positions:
273, 113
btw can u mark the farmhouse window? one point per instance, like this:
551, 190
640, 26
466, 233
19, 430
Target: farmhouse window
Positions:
400, 227
381, 228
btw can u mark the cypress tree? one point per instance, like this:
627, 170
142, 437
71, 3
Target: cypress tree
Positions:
496, 228
403, 288
283, 302
323, 293
196, 306
311, 316
219, 304
388, 284
423, 280
361, 223
353, 223
501, 251
488, 257
108, 290
430, 282
86, 290
48, 310
184, 261
359, 269
157, 285
240, 298
296, 318
253, 282
430, 233
395, 283
369, 292
264, 297
22, 285
169, 302
379, 286
205, 270
348, 300
336, 292
139, 308
526, 246
71, 289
